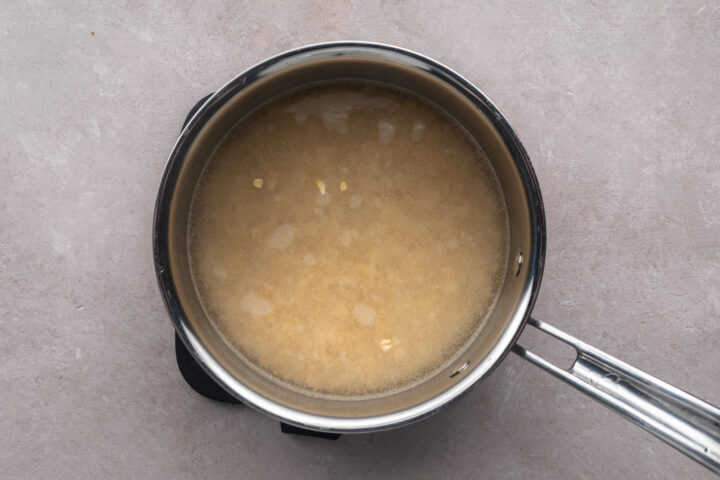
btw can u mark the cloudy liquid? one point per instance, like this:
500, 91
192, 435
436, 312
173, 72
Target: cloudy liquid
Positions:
348, 240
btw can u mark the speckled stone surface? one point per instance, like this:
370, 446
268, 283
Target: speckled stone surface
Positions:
616, 102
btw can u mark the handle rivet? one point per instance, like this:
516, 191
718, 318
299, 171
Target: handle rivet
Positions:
461, 368
518, 262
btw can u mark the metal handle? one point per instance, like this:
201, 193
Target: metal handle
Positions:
678, 418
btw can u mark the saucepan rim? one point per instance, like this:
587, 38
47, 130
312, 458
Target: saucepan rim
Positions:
534, 260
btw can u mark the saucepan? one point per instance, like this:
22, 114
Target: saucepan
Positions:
682, 420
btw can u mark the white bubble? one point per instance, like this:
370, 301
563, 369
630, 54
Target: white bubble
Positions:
355, 201
255, 305
282, 237
418, 130
346, 238
364, 314
309, 259
220, 273
323, 199
386, 132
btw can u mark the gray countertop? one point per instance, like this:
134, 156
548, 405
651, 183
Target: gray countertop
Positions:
618, 107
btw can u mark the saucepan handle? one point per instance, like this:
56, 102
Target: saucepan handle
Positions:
680, 419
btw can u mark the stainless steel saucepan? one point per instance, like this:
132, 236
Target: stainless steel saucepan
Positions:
685, 422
